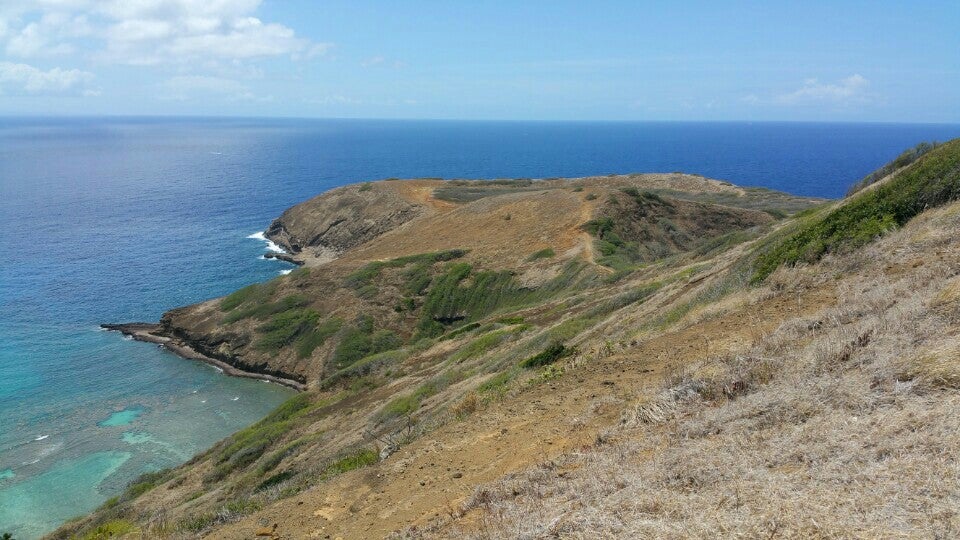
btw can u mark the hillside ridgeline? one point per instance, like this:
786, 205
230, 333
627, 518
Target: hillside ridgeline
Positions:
626, 356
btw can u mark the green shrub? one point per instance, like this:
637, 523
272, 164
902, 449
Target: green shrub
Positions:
545, 253
931, 181
497, 384
357, 460
551, 354
366, 186
364, 367
317, 336
287, 327
197, 522
110, 529
263, 310
398, 407
288, 409
256, 293
483, 344
275, 479
469, 327
453, 297
362, 341
366, 274
906, 158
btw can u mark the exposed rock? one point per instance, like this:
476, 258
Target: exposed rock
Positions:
341, 219
286, 257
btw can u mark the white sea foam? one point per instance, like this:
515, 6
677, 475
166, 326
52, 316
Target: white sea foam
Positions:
285, 272
41, 437
235, 399
270, 245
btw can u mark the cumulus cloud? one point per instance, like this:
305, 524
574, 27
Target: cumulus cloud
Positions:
848, 89
49, 36
32, 80
155, 31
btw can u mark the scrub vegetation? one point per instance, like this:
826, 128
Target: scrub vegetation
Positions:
678, 363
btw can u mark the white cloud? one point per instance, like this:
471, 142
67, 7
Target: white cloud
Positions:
29, 79
849, 89
152, 31
48, 36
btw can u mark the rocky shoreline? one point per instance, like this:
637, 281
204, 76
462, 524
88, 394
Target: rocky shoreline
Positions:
153, 333
286, 257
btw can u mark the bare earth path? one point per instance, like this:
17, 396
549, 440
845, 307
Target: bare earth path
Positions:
430, 478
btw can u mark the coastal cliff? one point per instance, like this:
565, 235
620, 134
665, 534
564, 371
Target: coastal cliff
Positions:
604, 355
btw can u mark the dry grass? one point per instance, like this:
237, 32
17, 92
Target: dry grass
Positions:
839, 425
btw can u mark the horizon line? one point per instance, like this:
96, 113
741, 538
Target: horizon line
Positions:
465, 120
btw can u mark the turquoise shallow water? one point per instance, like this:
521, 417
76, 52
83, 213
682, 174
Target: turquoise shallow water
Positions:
115, 220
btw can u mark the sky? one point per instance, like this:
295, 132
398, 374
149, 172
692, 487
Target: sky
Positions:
835, 60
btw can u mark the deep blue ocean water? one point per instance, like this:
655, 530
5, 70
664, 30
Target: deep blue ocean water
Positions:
111, 220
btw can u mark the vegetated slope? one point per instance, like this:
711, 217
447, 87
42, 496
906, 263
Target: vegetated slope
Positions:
464, 310
447, 264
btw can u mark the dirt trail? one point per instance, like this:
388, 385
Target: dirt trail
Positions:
433, 475
421, 192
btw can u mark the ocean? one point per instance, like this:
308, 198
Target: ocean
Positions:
119, 219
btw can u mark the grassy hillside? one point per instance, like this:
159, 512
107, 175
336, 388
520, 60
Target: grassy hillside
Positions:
928, 182
639, 365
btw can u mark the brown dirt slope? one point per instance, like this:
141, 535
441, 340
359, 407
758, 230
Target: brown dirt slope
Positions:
419, 345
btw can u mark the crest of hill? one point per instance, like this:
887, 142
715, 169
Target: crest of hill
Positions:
437, 214
389, 263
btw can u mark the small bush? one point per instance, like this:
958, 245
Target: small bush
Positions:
545, 253
110, 529
398, 407
467, 406
362, 341
275, 479
482, 344
497, 384
551, 354
257, 293
287, 327
366, 274
263, 310
357, 460
316, 337
460, 331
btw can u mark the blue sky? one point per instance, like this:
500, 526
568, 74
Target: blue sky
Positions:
597, 60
